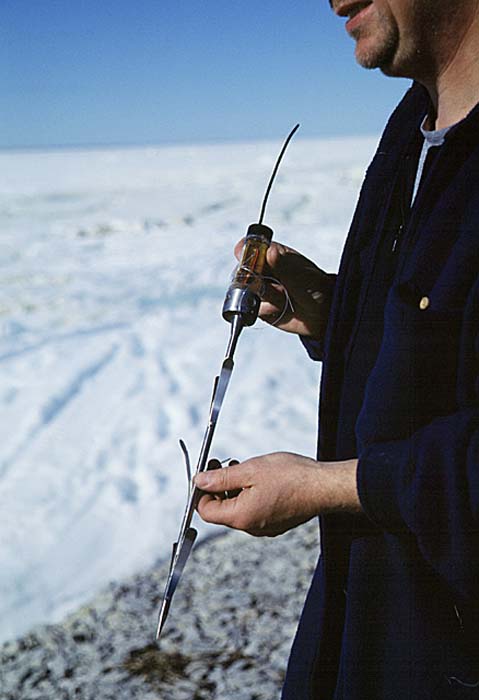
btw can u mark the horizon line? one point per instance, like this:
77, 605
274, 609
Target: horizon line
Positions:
110, 145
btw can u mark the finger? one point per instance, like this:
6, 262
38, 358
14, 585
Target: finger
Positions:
301, 276
226, 479
236, 492
219, 512
238, 249
274, 253
214, 463
270, 312
277, 316
273, 293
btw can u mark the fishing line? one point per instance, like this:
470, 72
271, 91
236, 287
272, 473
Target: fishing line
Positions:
287, 301
288, 304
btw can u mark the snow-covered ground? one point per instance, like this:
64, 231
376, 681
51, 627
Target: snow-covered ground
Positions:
113, 269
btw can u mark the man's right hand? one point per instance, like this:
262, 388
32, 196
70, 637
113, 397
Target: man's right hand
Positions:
309, 288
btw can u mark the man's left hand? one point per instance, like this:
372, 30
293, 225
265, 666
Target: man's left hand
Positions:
278, 492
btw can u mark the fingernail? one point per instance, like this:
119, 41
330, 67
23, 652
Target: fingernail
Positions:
202, 481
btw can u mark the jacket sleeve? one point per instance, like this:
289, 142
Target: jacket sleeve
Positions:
428, 485
314, 348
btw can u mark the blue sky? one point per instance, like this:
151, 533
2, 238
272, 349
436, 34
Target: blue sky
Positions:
92, 72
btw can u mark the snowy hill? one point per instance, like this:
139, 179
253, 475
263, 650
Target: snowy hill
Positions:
113, 268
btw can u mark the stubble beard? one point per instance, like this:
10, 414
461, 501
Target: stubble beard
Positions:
380, 45
377, 47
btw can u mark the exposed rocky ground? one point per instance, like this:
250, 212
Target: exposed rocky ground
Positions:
227, 636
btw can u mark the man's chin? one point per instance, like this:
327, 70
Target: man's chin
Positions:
371, 61
370, 54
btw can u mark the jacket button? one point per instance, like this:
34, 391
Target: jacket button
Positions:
424, 303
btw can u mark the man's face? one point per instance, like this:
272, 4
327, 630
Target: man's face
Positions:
397, 36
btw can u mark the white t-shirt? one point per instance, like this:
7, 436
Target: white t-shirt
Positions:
431, 138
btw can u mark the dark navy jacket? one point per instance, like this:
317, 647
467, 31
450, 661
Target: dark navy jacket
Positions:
393, 609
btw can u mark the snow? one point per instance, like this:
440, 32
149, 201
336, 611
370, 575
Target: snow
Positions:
114, 265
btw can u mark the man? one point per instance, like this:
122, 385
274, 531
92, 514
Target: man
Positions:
393, 609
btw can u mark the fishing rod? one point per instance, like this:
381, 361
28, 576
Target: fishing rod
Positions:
240, 309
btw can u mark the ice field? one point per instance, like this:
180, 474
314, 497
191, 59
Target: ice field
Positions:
114, 265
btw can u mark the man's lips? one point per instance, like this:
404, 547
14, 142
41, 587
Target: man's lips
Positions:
350, 8
356, 10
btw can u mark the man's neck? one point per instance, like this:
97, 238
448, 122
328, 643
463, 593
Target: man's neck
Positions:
454, 89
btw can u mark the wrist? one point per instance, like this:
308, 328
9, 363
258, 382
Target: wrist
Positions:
337, 487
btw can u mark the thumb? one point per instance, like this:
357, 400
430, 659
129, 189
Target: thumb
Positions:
225, 479
238, 249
